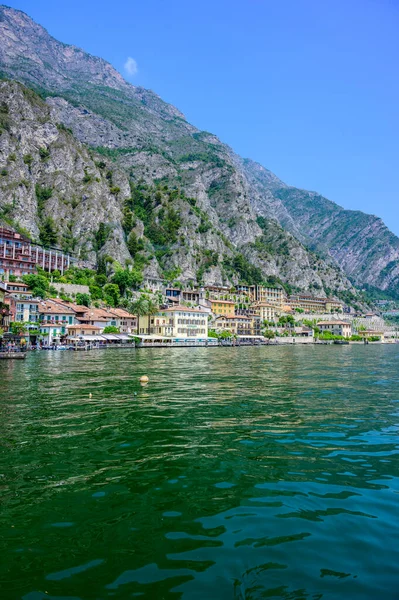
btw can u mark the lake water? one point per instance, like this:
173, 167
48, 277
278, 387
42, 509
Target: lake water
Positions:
236, 473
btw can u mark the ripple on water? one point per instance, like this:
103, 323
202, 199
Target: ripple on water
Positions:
255, 472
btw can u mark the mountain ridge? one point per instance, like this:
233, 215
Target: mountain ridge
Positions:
148, 139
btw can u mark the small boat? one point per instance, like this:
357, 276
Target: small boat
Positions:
341, 342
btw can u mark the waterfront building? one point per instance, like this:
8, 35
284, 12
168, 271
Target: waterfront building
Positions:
336, 327
304, 331
127, 321
254, 314
79, 309
366, 333
54, 319
18, 256
239, 325
100, 317
82, 331
4, 308
176, 322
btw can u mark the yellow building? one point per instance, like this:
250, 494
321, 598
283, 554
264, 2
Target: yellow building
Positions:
222, 307
176, 322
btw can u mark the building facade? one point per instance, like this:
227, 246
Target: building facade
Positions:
222, 307
239, 325
336, 328
309, 303
18, 256
274, 295
267, 311
26, 311
176, 322
54, 320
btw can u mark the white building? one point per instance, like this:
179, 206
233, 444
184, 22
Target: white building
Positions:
336, 328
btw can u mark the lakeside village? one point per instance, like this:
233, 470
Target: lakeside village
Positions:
45, 305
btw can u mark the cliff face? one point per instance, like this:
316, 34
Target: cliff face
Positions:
191, 203
360, 244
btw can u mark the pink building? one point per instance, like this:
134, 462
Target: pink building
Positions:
18, 256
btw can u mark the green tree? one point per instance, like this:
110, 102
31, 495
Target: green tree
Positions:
44, 153
287, 320
111, 329
83, 299
111, 294
269, 334
18, 328
101, 236
48, 232
142, 306
39, 285
28, 160
225, 335
127, 278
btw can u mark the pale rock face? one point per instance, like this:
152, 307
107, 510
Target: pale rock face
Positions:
142, 139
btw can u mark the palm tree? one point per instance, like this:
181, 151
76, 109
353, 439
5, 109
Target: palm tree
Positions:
137, 307
144, 305
153, 308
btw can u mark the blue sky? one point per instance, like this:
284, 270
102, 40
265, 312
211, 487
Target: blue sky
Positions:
308, 88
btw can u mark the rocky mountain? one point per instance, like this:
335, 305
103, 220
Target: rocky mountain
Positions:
105, 168
359, 243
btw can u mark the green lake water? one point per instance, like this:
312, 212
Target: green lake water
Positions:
236, 473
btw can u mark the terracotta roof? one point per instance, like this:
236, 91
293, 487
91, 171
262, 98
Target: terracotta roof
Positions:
224, 301
48, 306
17, 283
121, 312
333, 323
72, 305
235, 317
184, 309
84, 326
268, 304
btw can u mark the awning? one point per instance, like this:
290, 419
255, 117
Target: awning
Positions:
151, 337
